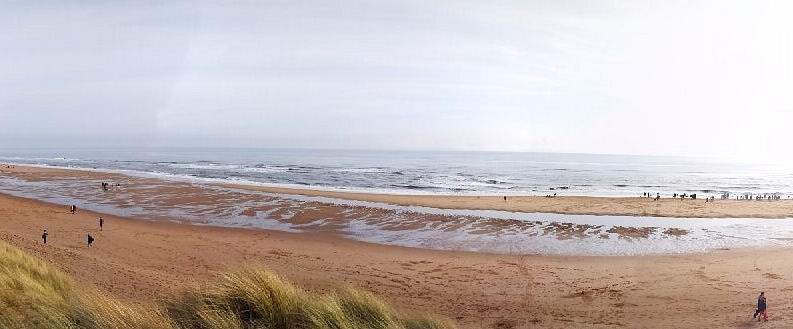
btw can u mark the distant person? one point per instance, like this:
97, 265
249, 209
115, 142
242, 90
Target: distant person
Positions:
44, 236
101, 223
505, 198
761, 308
90, 240
73, 209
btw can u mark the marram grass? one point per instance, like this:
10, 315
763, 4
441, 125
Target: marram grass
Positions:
34, 294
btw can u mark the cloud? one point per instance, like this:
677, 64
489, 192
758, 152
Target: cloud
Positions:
679, 78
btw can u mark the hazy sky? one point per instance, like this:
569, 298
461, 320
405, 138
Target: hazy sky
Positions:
710, 78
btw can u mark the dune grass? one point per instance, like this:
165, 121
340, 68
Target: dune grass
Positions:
34, 294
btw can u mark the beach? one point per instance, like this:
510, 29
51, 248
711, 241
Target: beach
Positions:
599, 226
396, 164
139, 258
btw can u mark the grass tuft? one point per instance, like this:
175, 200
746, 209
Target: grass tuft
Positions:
34, 294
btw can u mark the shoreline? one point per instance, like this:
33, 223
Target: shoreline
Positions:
137, 260
563, 205
442, 228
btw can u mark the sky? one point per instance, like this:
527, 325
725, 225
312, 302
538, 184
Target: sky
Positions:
684, 78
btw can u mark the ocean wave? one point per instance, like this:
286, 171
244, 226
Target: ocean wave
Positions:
452, 176
207, 166
412, 187
57, 159
265, 169
374, 170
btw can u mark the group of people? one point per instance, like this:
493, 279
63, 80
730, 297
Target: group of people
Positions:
768, 197
650, 195
724, 196
89, 238
106, 186
684, 195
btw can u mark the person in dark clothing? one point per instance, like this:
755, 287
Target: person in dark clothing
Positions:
101, 223
90, 240
44, 236
73, 209
761, 308
505, 198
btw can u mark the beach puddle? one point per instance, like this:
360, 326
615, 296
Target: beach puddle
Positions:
474, 230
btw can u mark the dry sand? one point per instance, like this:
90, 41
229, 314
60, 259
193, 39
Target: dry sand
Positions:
140, 260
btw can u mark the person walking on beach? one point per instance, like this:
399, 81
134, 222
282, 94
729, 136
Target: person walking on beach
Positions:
73, 209
44, 236
101, 223
90, 240
761, 308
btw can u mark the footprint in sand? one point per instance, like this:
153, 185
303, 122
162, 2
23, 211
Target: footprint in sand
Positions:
772, 276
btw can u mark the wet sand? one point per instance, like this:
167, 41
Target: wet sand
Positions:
571, 205
139, 260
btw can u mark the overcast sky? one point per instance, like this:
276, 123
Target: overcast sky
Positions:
706, 78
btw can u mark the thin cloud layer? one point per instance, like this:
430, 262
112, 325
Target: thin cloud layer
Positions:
705, 78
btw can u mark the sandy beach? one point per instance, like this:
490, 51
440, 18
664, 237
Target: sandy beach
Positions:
139, 259
148, 254
572, 205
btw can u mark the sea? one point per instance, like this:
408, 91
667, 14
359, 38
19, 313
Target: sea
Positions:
403, 172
